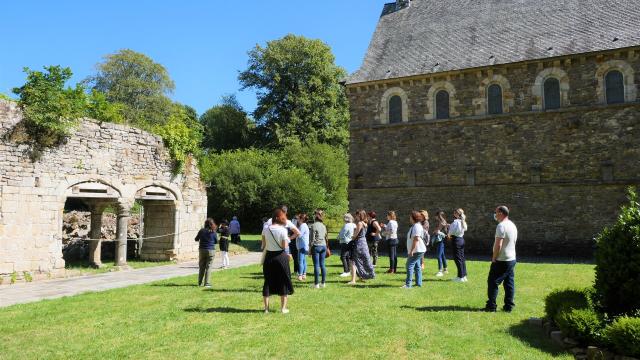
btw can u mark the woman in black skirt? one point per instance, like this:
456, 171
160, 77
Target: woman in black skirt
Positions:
277, 275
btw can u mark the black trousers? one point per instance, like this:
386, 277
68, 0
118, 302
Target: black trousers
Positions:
344, 257
458, 256
501, 272
393, 254
294, 252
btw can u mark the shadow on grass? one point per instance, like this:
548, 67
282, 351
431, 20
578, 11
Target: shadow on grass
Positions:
224, 310
534, 337
233, 290
444, 308
175, 285
253, 277
373, 286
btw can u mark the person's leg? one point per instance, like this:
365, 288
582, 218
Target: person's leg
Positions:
344, 253
463, 260
410, 265
419, 273
492, 286
457, 258
509, 286
209, 267
393, 255
266, 303
302, 266
316, 266
323, 267
294, 254
375, 252
226, 258
202, 263
283, 303
439, 255
353, 272
444, 255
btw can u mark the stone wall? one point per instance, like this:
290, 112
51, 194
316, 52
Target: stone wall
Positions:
563, 172
123, 159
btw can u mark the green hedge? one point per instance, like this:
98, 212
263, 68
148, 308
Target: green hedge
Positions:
563, 300
624, 336
583, 325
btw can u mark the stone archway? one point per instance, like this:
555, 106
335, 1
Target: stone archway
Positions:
160, 223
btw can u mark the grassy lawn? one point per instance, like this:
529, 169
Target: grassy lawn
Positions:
377, 320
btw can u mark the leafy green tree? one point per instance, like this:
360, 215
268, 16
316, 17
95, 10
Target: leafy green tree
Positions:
140, 84
181, 136
100, 109
299, 92
227, 126
50, 110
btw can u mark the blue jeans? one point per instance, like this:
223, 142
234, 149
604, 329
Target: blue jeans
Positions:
319, 254
302, 262
501, 272
442, 258
413, 265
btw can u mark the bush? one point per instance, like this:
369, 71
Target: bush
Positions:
583, 325
559, 301
618, 263
181, 136
624, 336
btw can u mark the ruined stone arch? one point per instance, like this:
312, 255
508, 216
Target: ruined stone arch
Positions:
630, 88
431, 99
538, 87
158, 191
384, 104
91, 188
482, 101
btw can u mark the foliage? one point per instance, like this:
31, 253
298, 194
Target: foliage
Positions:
583, 325
181, 134
138, 83
300, 97
564, 300
624, 335
50, 110
100, 109
27, 276
250, 183
6, 97
618, 262
227, 126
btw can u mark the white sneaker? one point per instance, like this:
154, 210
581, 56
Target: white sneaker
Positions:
317, 286
266, 311
457, 279
439, 274
345, 274
464, 279
322, 285
405, 287
285, 311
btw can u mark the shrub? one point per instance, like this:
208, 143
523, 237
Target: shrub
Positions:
618, 263
566, 299
624, 335
181, 136
583, 325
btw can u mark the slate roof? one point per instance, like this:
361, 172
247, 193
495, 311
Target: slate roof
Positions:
434, 36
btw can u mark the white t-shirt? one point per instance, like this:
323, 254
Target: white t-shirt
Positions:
289, 225
391, 230
274, 235
508, 231
416, 230
346, 233
456, 228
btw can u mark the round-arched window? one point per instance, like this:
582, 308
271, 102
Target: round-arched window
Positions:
614, 83
395, 109
494, 97
442, 105
551, 94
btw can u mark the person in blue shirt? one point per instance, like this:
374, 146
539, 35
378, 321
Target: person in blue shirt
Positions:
207, 238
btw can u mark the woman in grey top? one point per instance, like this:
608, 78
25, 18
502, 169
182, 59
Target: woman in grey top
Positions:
319, 243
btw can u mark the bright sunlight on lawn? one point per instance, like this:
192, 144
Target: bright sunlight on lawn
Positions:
174, 319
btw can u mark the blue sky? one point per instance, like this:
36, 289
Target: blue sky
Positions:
203, 44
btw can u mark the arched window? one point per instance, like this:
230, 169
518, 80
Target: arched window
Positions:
614, 86
494, 95
442, 105
395, 109
551, 94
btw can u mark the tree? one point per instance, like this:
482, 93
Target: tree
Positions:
181, 134
227, 126
299, 92
50, 110
140, 84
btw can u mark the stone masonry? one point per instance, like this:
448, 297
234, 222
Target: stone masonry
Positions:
100, 164
563, 172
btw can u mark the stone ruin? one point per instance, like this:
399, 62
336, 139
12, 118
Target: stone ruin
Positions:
101, 165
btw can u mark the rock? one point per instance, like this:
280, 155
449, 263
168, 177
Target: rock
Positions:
537, 322
570, 342
557, 337
595, 353
578, 351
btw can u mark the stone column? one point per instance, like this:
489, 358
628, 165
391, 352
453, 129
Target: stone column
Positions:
95, 246
123, 224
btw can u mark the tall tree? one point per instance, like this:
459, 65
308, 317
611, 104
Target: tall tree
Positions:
227, 126
300, 97
140, 84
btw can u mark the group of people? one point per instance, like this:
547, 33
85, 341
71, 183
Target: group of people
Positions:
359, 239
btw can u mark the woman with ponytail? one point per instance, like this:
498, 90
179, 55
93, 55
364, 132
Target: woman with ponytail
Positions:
456, 233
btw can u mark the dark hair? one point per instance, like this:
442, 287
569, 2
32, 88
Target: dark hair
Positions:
417, 217
503, 210
303, 218
210, 224
319, 215
279, 217
372, 214
361, 215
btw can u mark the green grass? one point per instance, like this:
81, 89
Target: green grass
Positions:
173, 319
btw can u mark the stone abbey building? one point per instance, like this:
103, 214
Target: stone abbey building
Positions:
100, 165
472, 104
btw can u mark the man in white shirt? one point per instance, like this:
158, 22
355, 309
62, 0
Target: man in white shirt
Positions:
503, 261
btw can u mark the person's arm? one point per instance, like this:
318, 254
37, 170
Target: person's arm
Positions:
356, 231
376, 226
295, 234
414, 245
497, 247
264, 242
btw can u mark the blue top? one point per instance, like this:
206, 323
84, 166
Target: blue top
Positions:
208, 239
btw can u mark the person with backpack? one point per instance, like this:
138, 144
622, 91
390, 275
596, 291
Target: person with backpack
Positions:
415, 249
207, 251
